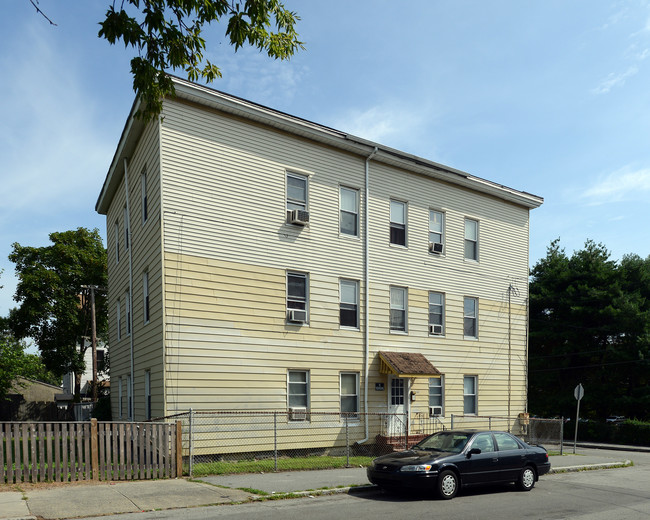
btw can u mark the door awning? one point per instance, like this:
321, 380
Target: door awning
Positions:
406, 364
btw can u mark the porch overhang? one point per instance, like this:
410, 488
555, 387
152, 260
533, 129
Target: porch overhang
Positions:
407, 365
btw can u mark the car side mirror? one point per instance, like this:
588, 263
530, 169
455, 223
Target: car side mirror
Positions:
473, 451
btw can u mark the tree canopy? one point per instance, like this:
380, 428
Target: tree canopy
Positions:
590, 324
53, 310
168, 35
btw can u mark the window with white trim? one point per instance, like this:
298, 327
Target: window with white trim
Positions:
437, 392
349, 393
398, 222
296, 191
398, 304
298, 388
471, 239
469, 395
349, 305
436, 227
298, 293
144, 200
436, 313
145, 296
349, 219
470, 317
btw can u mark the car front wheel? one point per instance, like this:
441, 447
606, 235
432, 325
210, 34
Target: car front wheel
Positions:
526, 479
447, 485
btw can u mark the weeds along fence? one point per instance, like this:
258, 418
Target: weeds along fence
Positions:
217, 442
92, 450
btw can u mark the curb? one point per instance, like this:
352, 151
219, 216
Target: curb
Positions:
317, 492
588, 467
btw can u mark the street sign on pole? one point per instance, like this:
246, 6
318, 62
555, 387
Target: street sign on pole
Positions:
578, 393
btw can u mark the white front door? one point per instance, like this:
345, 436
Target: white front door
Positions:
397, 402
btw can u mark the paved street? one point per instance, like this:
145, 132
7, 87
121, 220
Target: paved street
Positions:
621, 494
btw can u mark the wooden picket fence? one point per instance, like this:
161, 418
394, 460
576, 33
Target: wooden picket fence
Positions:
73, 451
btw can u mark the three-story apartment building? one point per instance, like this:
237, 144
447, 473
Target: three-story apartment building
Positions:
259, 261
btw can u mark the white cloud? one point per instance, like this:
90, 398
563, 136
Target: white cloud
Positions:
615, 80
622, 185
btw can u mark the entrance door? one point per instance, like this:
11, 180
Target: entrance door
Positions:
398, 389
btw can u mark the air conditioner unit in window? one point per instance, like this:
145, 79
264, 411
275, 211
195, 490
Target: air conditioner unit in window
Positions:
297, 316
435, 247
298, 414
435, 329
435, 411
299, 216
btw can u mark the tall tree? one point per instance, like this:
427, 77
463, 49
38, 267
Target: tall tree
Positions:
589, 325
53, 310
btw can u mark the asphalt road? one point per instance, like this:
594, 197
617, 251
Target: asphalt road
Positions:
620, 494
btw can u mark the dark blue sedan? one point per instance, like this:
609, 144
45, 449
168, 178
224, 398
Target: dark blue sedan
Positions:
447, 460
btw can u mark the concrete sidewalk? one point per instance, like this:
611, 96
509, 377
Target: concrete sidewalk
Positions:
95, 499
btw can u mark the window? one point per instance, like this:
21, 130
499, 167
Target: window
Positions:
129, 397
126, 229
145, 296
349, 211
436, 313
297, 291
435, 228
471, 239
398, 297
298, 388
470, 318
505, 442
143, 189
147, 393
484, 442
436, 392
127, 310
469, 395
120, 396
350, 393
296, 191
397, 223
119, 321
117, 243
349, 306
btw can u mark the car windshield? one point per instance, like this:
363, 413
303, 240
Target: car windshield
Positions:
444, 441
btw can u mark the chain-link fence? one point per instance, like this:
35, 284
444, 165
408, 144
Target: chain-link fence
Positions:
216, 442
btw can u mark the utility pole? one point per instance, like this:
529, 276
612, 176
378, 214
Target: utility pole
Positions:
92, 289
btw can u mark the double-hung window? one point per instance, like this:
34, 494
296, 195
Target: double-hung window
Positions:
469, 395
398, 301
398, 222
143, 189
470, 317
471, 239
297, 296
296, 191
436, 313
349, 306
350, 393
145, 296
436, 223
298, 388
436, 393
349, 200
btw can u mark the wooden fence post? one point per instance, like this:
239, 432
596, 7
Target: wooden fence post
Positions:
179, 449
94, 451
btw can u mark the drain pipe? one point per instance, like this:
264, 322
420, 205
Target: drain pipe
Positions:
366, 291
130, 302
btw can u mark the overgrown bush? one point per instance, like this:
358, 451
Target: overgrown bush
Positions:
633, 432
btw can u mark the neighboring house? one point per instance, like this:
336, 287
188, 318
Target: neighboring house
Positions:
259, 261
31, 400
87, 376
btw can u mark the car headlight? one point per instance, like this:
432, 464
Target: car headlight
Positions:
417, 468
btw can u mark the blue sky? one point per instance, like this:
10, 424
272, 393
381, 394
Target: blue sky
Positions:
549, 97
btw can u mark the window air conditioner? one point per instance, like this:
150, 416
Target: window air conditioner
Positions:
435, 329
299, 216
297, 316
435, 411
435, 247
298, 414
